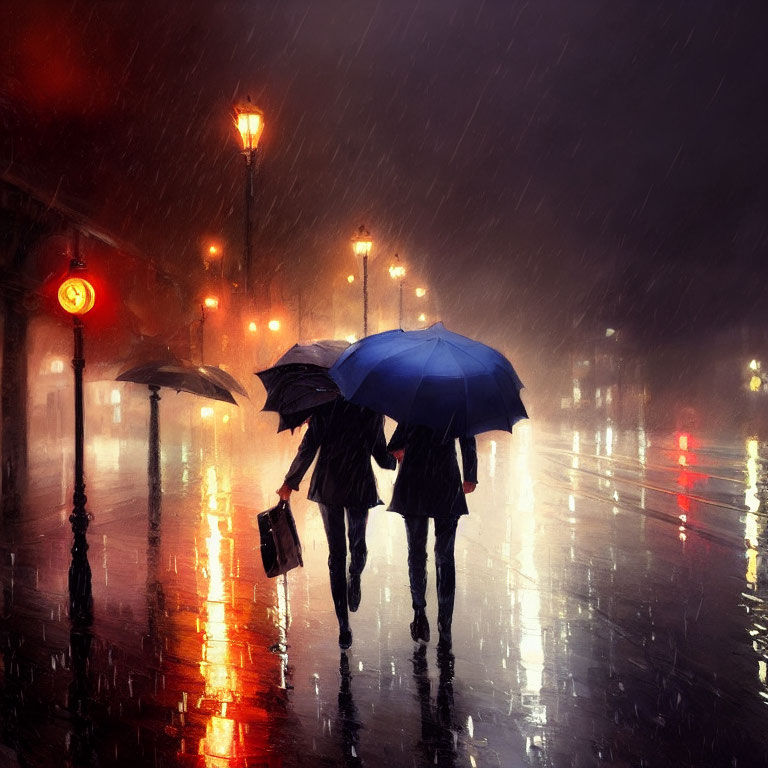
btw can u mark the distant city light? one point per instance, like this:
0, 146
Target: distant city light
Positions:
273, 325
351, 338
252, 327
211, 302
57, 366
350, 279
422, 318
114, 397
213, 250
420, 292
610, 332
206, 412
754, 365
397, 272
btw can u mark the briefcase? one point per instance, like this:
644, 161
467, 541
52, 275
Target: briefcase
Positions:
280, 545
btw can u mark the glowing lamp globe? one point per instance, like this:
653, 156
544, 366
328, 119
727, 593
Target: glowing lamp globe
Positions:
362, 242
250, 123
76, 296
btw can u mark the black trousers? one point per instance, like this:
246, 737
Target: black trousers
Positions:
416, 528
333, 521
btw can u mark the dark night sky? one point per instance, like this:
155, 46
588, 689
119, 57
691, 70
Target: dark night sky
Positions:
543, 161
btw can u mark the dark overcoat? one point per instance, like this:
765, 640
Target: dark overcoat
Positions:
429, 483
346, 435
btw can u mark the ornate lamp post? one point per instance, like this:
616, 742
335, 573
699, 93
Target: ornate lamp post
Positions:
397, 272
77, 296
250, 123
362, 244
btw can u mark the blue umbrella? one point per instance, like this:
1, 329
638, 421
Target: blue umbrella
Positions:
453, 384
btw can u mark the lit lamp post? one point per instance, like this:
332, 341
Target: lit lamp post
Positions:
250, 123
77, 296
209, 303
397, 272
362, 244
215, 252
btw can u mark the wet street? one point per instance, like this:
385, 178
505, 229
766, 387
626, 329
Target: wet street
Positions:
610, 610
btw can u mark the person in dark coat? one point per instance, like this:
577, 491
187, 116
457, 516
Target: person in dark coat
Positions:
346, 435
429, 485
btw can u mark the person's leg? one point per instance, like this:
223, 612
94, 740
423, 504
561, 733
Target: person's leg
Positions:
333, 521
445, 566
416, 528
357, 520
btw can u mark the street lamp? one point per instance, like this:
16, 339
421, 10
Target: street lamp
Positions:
250, 124
362, 244
397, 272
215, 252
209, 303
77, 297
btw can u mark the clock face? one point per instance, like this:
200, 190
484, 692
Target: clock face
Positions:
76, 295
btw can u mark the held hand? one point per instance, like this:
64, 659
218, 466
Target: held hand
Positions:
468, 487
284, 492
398, 454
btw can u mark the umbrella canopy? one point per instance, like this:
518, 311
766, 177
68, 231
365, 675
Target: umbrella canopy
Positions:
226, 379
323, 353
453, 384
181, 376
299, 381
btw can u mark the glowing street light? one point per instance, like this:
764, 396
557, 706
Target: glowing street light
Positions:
209, 303
273, 325
362, 244
214, 252
250, 124
420, 293
252, 327
77, 297
397, 272
350, 279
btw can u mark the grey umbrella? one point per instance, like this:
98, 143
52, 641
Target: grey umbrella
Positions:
207, 381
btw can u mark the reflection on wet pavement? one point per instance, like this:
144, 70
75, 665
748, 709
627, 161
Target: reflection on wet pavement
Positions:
610, 609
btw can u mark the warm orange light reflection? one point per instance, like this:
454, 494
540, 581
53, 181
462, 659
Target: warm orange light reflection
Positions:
273, 325
221, 742
350, 279
213, 250
397, 271
76, 296
211, 302
252, 327
420, 292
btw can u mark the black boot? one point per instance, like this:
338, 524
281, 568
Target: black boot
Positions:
445, 641
420, 627
353, 591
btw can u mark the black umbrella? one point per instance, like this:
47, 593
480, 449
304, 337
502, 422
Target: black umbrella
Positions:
299, 381
183, 377
323, 353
